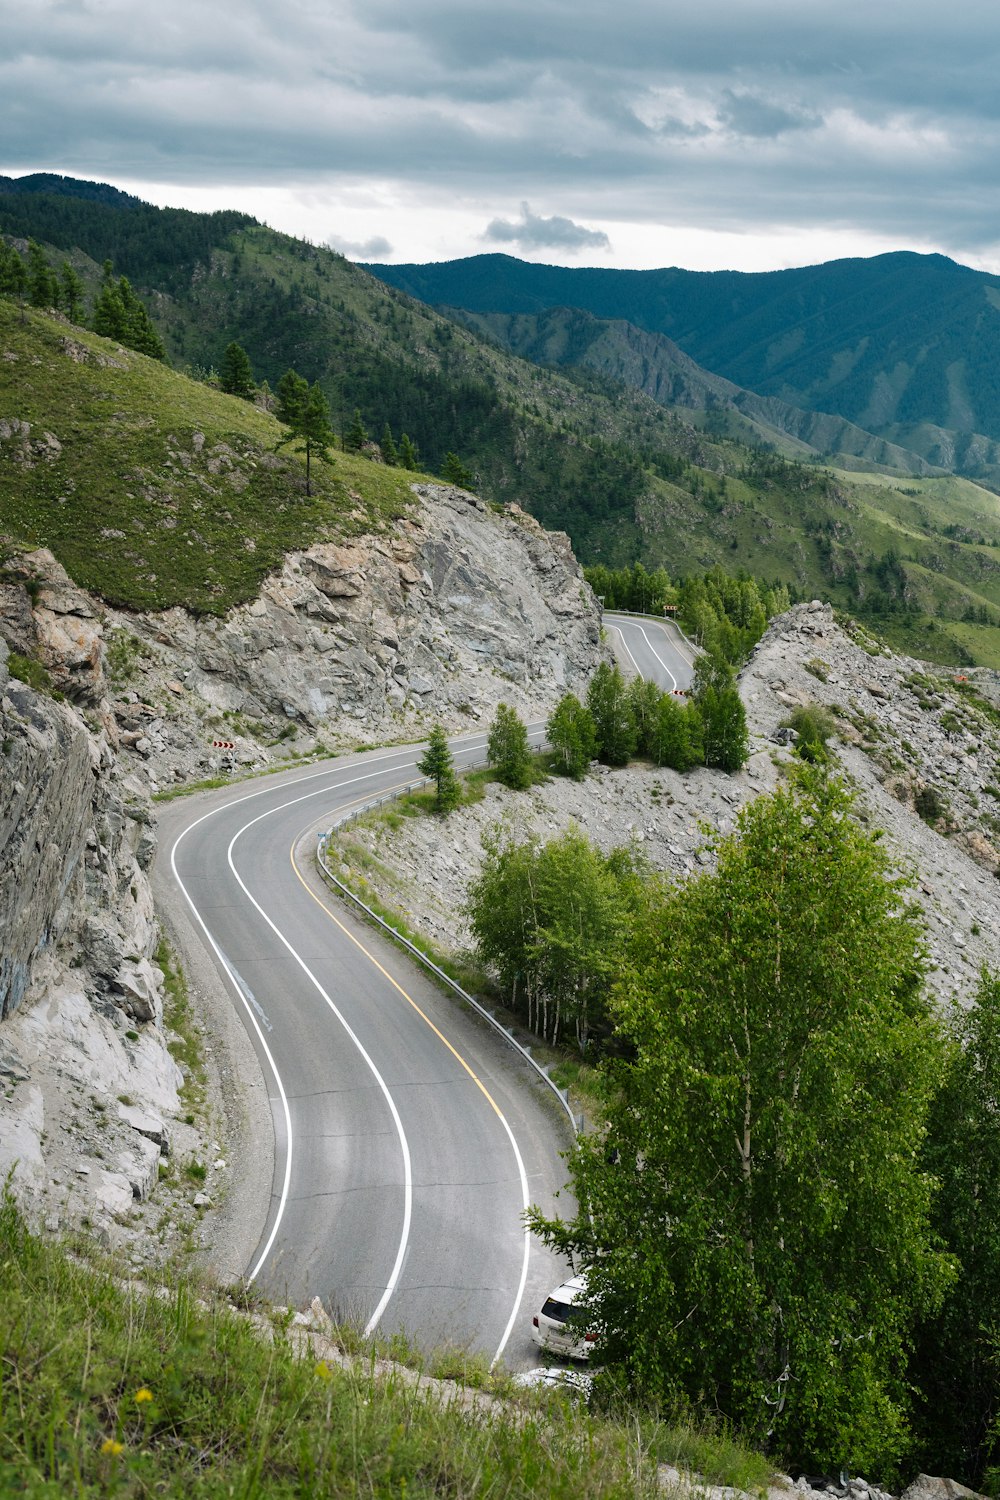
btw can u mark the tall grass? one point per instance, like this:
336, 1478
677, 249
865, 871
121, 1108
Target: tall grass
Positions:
107, 1389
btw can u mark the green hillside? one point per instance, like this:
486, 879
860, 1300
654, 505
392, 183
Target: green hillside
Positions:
137, 511
153, 489
893, 344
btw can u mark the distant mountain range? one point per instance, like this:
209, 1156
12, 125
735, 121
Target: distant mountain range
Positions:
618, 433
902, 346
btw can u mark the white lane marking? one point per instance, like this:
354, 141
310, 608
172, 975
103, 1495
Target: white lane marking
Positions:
480, 1085
621, 636
656, 653
527, 1243
234, 981
365, 1054
633, 625
333, 786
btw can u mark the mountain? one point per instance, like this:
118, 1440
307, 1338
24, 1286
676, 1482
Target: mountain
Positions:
569, 338
709, 481
902, 345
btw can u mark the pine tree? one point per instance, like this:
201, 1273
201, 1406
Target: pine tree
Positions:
236, 373
119, 313
71, 292
293, 393
438, 766
13, 274
305, 411
453, 471
390, 453
43, 284
408, 455
356, 435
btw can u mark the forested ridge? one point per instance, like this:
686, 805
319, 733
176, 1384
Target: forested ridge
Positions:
624, 476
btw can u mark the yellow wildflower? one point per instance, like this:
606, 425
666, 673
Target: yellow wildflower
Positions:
145, 1394
323, 1370
112, 1445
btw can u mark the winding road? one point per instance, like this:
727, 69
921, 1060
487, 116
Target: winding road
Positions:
408, 1137
655, 649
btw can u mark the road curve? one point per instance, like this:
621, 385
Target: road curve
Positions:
407, 1136
652, 648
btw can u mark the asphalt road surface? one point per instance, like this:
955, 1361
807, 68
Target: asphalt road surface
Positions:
408, 1137
654, 649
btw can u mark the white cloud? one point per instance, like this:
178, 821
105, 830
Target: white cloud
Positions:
376, 248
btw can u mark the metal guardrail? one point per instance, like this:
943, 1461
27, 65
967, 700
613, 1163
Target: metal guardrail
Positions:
323, 842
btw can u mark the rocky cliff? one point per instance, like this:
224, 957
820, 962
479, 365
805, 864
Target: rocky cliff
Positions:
459, 607
87, 1085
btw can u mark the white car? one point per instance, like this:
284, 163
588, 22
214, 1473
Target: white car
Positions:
560, 1326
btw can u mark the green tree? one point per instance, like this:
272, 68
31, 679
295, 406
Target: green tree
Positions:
236, 373
43, 283
611, 710
570, 732
507, 749
955, 1364
390, 453
725, 739
408, 456
293, 397
453, 471
644, 700
13, 272
814, 724
677, 735
356, 435
303, 408
120, 314
71, 292
438, 766
756, 1220
552, 920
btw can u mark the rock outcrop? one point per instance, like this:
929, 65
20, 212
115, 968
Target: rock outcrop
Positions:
456, 609
81, 1000
921, 751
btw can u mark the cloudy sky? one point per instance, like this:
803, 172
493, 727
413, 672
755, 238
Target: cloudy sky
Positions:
714, 133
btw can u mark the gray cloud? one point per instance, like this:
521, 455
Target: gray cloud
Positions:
377, 248
533, 232
748, 114
728, 115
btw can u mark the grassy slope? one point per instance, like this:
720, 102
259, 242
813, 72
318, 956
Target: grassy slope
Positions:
107, 1390
136, 506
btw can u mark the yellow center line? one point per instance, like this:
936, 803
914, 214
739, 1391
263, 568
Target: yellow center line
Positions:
396, 986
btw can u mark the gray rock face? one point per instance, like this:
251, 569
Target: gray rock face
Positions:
455, 610
68, 869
